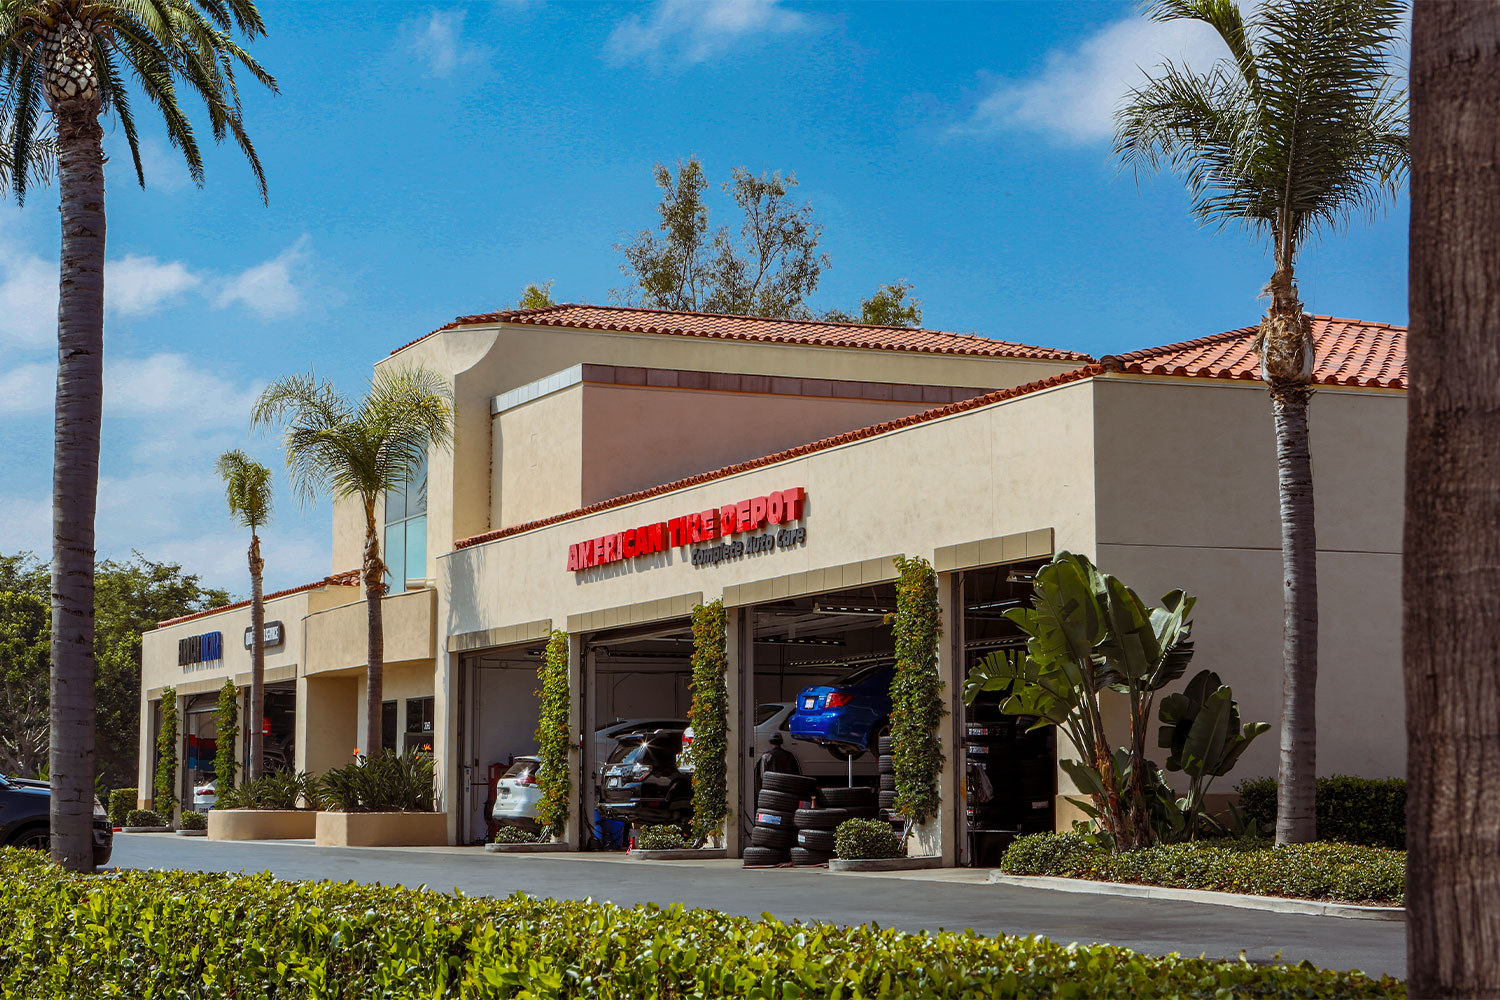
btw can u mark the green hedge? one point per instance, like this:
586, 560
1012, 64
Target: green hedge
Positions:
860, 839
184, 934
1353, 810
1322, 870
144, 817
121, 801
660, 838
194, 820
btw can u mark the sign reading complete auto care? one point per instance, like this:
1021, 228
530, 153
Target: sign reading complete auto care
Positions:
783, 507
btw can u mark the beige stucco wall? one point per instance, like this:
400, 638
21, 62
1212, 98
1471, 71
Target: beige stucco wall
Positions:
1187, 498
337, 638
349, 534
537, 458
329, 721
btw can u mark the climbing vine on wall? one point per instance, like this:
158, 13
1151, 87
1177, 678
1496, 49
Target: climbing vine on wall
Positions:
709, 717
165, 784
916, 691
227, 720
555, 775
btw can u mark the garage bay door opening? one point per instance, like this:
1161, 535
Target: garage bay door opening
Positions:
817, 673
497, 717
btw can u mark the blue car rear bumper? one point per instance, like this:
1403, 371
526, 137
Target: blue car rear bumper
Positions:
851, 724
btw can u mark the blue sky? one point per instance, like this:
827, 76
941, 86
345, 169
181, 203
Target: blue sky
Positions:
428, 161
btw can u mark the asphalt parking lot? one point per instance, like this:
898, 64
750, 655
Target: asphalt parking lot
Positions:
953, 899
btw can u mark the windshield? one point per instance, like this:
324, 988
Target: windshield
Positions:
523, 769
4, 783
765, 713
651, 752
862, 674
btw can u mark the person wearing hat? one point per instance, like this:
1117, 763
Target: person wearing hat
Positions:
778, 759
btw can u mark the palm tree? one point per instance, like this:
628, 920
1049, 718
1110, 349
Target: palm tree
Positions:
247, 487
1449, 587
1303, 126
71, 58
363, 451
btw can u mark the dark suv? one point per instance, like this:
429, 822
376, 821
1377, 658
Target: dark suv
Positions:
641, 783
25, 819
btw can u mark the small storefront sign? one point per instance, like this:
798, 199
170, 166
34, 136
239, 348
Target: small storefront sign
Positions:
273, 635
783, 507
204, 648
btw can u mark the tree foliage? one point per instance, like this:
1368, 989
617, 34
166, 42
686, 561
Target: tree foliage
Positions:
769, 268
130, 598
247, 488
536, 296
892, 305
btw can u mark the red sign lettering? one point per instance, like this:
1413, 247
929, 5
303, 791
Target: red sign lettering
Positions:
782, 507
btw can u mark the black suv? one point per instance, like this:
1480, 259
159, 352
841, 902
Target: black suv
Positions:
641, 783
25, 819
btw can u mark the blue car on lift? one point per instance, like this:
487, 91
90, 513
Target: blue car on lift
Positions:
847, 717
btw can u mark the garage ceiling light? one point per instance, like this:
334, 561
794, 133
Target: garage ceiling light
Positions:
1020, 576
861, 607
805, 640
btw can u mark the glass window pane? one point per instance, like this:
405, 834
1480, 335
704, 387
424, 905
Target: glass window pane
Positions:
395, 505
395, 558
416, 548
416, 488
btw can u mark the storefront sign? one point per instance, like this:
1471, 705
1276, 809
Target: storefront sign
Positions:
783, 507
272, 636
200, 648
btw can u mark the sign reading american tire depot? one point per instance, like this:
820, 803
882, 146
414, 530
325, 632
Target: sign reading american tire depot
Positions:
780, 508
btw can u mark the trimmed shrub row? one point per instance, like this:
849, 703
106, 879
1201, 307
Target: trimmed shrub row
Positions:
144, 817
121, 801
1354, 810
195, 935
859, 839
1322, 870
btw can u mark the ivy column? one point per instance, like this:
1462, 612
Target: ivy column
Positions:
918, 707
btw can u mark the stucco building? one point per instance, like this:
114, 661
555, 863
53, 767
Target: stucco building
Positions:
601, 453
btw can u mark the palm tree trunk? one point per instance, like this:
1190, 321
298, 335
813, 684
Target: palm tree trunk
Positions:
374, 573
75, 482
1450, 590
257, 661
1296, 817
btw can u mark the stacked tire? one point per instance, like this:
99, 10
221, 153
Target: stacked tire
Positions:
887, 780
774, 835
816, 827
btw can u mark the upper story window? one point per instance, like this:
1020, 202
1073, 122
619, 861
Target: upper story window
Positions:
406, 532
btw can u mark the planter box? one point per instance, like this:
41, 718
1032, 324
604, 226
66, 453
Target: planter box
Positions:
145, 829
261, 824
680, 854
525, 848
192, 833
385, 829
883, 864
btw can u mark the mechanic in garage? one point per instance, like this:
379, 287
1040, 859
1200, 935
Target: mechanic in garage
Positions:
778, 759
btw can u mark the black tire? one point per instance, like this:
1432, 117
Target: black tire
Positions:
863, 812
774, 819
803, 857
765, 857
887, 798
815, 840
764, 836
883, 745
887, 782
820, 819
777, 801
887, 764
848, 798
794, 784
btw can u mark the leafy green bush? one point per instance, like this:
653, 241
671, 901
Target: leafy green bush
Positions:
660, 838
388, 783
192, 820
866, 838
190, 934
164, 783
1323, 870
555, 775
1354, 810
709, 717
121, 801
272, 790
143, 817
515, 835
227, 721
916, 691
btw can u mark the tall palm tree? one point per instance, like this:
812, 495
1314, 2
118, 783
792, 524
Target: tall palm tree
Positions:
1449, 588
247, 487
71, 59
365, 450
1302, 127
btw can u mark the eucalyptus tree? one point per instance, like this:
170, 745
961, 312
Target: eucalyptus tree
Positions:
362, 451
70, 59
247, 488
1300, 129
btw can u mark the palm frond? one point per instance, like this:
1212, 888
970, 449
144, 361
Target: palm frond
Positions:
247, 487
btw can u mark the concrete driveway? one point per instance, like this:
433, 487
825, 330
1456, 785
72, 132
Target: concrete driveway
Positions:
952, 899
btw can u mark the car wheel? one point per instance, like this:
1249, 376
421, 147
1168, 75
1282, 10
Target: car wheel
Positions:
764, 857
34, 840
793, 784
765, 836
802, 857
815, 840
779, 801
847, 798
820, 819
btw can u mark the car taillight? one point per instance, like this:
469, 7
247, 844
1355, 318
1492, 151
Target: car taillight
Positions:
526, 779
687, 741
837, 699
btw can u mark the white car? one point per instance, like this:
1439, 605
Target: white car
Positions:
204, 796
517, 793
771, 718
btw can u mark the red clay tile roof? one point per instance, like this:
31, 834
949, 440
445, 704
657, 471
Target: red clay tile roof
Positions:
1349, 352
1077, 374
777, 331
348, 578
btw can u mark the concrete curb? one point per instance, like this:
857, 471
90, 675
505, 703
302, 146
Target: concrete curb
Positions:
1131, 890
525, 848
883, 864
145, 829
192, 833
679, 854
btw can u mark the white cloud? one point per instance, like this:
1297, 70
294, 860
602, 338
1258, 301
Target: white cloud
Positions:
167, 386
1073, 98
695, 30
28, 298
136, 285
271, 289
441, 46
